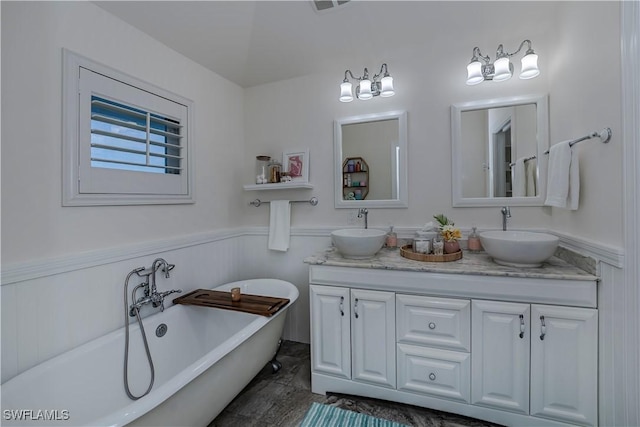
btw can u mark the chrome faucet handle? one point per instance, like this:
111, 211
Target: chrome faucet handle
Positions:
162, 296
365, 212
167, 268
172, 291
506, 213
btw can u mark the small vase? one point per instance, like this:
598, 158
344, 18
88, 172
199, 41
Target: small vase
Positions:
451, 247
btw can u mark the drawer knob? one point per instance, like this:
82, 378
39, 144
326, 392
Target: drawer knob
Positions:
432, 325
432, 376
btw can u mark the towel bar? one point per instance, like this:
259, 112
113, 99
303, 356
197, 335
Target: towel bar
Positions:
526, 160
312, 201
604, 135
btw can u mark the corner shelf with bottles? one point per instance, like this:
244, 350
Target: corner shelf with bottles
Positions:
355, 179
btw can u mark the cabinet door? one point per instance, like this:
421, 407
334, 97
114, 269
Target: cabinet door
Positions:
373, 337
564, 364
330, 335
500, 355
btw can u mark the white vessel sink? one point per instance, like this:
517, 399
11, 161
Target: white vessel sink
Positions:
358, 243
519, 248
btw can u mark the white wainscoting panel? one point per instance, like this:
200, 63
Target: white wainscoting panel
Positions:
258, 261
611, 342
53, 313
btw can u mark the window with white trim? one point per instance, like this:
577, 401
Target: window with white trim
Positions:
125, 141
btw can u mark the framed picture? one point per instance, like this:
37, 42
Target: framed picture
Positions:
296, 164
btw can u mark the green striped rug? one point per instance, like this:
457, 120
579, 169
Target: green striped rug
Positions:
319, 415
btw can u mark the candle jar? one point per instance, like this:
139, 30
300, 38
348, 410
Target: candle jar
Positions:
262, 169
235, 294
422, 245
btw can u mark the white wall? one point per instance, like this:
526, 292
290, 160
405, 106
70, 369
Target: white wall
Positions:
34, 224
585, 88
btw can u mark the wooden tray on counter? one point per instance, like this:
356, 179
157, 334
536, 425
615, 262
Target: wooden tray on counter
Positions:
407, 252
255, 304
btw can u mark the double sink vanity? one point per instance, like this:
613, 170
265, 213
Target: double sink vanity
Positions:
499, 341
514, 346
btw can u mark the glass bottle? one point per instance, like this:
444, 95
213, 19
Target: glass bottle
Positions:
262, 169
274, 171
392, 238
473, 241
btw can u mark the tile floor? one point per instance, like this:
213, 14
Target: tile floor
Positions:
282, 399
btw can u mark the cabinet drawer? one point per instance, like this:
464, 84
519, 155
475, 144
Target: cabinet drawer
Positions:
437, 322
436, 372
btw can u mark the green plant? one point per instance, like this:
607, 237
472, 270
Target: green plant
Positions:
443, 220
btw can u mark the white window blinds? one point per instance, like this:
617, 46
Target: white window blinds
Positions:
128, 138
126, 141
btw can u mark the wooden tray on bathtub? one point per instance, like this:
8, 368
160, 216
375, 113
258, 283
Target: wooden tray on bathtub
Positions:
255, 304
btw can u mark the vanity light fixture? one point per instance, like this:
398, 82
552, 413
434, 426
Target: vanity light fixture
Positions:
368, 87
502, 68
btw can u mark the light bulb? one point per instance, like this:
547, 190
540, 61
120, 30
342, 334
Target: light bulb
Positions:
502, 69
386, 87
365, 90
345, 92
474, 73
529, 66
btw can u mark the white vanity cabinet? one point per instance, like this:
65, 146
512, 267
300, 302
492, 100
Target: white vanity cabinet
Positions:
539, 355
461, 343
564, 363
353, 334
331, 330
501, 352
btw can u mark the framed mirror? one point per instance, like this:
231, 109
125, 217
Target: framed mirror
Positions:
498, 150
370, 161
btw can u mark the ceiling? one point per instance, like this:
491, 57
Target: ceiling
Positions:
257, 42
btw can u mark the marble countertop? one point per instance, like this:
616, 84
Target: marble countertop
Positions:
472, 263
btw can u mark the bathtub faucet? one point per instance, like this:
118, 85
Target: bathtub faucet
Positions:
151, 294
166, 268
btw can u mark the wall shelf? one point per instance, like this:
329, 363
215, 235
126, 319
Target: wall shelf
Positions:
278, 186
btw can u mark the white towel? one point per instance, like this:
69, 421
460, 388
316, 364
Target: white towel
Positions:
563, 183
530, 169
519, 178
279, 225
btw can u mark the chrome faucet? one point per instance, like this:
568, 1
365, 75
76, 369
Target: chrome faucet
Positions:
506, 213
364, 212
151, 294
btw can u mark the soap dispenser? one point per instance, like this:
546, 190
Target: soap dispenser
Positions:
473, 241
392, 238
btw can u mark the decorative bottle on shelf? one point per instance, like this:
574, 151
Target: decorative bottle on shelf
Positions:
348, 180
392, 238
473, 241
274, 171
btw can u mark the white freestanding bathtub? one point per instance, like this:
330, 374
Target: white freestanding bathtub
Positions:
206, 357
